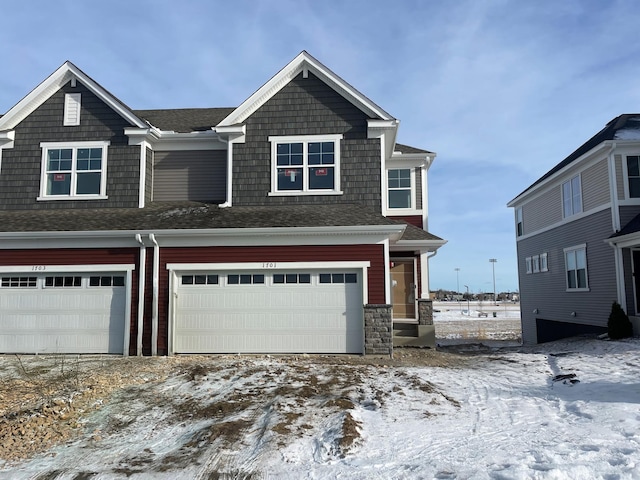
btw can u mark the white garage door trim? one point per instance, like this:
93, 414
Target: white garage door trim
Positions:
175, 270
97, 269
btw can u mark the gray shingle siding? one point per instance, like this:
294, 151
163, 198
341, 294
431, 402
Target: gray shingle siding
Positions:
546, 291
418, 188
307, 106
21, 165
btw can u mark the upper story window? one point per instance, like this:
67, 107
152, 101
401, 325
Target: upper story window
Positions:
633, 175
576, 267
571, 197
519, 222
399, 188
75, 170
307, 165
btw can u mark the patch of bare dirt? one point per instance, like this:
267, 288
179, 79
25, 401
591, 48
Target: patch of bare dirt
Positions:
46, 400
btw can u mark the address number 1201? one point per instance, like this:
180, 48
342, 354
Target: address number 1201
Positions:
38, 268
269, 265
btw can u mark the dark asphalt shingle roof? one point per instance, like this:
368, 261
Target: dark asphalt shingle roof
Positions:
627, 122
184, 120
407, 149
194, 215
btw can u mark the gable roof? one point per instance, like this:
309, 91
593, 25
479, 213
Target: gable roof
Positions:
407, 149
185, 120
304, 62
623, 127
66, 72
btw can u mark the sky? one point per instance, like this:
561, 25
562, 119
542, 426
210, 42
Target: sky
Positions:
501, 90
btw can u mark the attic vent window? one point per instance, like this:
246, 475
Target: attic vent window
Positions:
72, 104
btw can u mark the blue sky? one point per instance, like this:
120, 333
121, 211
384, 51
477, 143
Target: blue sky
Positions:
502, 90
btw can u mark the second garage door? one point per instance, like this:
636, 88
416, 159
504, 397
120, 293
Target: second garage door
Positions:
269, 312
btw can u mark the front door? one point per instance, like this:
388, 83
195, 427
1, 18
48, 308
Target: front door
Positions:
403, 289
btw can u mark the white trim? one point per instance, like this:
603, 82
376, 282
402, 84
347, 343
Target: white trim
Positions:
565, 221
143, 174
302, 62
387, 273
621, 284
74, 146
142, 285
42, 269
266, 265
127, 314
65, 73
424, 278
305, 167
155, 301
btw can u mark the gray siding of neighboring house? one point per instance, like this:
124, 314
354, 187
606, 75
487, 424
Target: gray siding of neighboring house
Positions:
620, 180
419, 188
595, 186
307, 106
198, 175
543, 211
546, 291
21, 165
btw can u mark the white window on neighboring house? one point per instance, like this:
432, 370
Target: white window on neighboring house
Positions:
399, 187
305, 165
544, 264
72, 102
73, 170
576, 267
571, 197
633, 176
519, 223
528, 264
536, 263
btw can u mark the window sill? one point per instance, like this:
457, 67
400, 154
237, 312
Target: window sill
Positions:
296, 193
68, 197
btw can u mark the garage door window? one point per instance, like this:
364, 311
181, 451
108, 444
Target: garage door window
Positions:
282, 278
62, 282
106, 281
200, 280
338, 278
19, 282
245, 279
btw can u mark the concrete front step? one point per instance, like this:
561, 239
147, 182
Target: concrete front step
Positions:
412, 335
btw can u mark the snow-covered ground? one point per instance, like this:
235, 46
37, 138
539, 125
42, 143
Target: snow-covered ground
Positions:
564, 410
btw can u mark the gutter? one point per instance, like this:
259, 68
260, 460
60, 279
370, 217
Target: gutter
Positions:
156, 289
142, 274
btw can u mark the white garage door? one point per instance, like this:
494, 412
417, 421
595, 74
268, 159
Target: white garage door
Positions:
70, 313
269, 312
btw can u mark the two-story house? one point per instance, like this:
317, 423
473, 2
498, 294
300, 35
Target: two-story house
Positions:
291, 223
578, 237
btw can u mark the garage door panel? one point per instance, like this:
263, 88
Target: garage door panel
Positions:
62, 320
269, 317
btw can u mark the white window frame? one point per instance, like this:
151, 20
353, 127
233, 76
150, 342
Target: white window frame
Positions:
572, 196
412, 190
628, 176
544, 262
535, 260
568, 252
305, 140
74, 146
519, 222
528, 265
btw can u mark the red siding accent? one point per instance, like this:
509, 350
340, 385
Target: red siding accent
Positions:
371, 253
415, 220
82, 256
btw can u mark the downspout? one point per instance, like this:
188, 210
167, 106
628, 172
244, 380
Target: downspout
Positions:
156, 289
229, 143
142, 276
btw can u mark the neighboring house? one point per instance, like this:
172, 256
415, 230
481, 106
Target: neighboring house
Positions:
578, 237
271, 227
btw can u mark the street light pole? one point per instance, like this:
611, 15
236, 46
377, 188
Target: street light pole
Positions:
493, 267
468, 311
